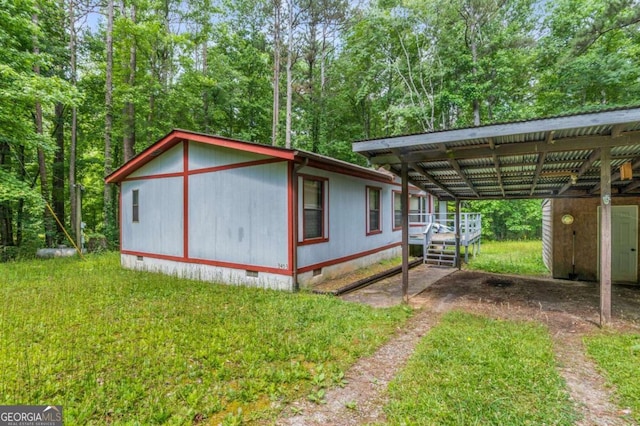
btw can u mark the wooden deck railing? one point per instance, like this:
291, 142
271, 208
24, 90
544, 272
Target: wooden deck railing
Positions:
442, 227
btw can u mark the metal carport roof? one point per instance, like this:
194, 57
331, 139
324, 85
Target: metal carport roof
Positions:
542, 158
577, 155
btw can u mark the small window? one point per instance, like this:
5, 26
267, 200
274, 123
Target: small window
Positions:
135, 213
397, 210
374, 223
314, 210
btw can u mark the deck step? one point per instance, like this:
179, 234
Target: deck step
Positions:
441, 253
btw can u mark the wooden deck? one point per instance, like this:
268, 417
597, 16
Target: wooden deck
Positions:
440, 247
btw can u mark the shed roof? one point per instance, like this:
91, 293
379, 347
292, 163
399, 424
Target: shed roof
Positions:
300, 156
542, 158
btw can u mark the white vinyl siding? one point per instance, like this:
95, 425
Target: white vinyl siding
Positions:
346, 218
240, 216
159, 229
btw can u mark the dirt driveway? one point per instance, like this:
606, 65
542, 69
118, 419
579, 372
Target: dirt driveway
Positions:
513, 296
569, 309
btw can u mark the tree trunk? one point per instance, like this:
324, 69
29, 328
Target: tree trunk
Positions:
151, 116
129, 138
6, 213
20, 214
289, 77
313, 97
57, 182
108, 122
49, 229
276, 73
205, 92
6, 224
473, 18
74, 123
476, 101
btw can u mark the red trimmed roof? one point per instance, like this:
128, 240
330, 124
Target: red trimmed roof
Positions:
176, 136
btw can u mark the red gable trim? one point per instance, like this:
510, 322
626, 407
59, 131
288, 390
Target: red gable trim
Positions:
158, 176
185, 200
235, 166
177, 136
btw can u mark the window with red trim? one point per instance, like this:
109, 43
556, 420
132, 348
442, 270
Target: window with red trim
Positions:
313, 208
135, 207
374, 213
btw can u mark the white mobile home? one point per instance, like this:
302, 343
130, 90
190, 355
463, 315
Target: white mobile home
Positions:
229, 211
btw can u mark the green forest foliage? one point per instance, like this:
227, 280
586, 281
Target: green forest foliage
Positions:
508, 220
357, 71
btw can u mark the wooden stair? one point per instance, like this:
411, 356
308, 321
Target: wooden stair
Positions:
442, 253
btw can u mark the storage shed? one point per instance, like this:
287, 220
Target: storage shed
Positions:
224, 210
571, 238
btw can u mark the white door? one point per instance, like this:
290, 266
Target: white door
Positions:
624, 243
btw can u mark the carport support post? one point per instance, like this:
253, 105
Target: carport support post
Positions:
404, 176
605, 236
458, 260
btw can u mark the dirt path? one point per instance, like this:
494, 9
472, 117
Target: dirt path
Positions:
586, 386
361, 400
568, 309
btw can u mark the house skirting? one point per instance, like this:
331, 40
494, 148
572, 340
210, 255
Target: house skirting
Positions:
325, 272
202, 272
260, 279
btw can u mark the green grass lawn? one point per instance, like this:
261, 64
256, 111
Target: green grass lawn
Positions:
471, 370
510, 257
618, 356
119, 346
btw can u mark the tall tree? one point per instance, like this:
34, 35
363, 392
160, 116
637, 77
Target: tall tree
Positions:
129, 113
277, 6
108, 122
29, 80
321, 26
42, 163
73, 145
58, 172
291, 22
6, 211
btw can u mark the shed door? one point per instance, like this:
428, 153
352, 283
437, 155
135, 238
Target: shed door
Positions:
624, 243
624, 255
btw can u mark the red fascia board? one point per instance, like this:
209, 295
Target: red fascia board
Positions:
177, 136
349, 170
